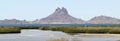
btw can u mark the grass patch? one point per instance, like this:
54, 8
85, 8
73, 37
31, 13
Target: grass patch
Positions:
83, 29
6, 29
29, 27
66, 29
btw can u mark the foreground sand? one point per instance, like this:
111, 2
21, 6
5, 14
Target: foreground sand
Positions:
101, 35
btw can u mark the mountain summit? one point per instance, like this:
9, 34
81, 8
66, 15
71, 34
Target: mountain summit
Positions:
60, 16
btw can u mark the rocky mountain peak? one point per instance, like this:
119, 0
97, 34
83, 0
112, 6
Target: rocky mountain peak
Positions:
64, 10
60, 11
60, 16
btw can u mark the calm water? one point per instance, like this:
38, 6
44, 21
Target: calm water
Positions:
40, 35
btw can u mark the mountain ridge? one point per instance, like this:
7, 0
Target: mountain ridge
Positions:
104, 20
61, 16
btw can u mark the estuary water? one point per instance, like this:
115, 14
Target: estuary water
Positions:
47, 35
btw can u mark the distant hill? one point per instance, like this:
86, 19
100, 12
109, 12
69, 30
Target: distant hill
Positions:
104, 20
13, 21
60, 16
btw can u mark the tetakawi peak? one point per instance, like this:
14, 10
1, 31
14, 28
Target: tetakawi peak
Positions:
60, 16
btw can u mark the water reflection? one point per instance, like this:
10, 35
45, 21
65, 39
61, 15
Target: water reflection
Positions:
40, 35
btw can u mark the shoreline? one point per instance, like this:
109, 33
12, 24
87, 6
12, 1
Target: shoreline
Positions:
100, 35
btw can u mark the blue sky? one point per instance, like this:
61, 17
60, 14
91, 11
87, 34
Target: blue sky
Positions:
37, 9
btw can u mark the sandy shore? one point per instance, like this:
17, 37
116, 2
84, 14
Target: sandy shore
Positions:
101, 35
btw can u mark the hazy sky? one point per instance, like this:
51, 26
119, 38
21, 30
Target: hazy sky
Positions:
37, 9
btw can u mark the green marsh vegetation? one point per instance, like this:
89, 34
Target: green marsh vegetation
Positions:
6, 29
66, 29
84, 29
29, 27
15, 29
